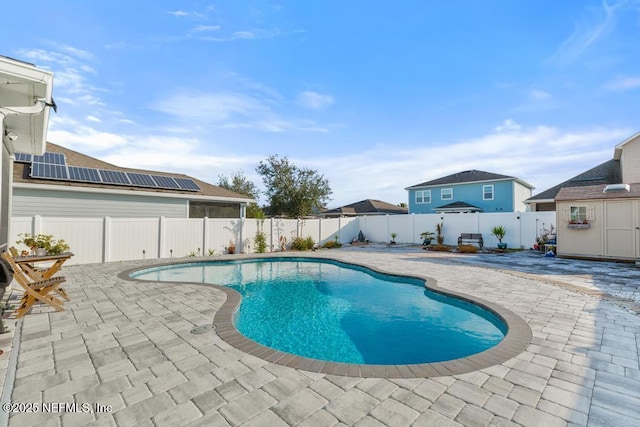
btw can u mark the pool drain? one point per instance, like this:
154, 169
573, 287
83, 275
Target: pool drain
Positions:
202, 329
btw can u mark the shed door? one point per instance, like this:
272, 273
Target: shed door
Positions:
620, 229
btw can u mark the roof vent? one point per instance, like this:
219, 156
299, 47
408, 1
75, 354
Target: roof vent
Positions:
616, 187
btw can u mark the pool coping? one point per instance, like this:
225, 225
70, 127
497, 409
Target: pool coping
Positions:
516, 340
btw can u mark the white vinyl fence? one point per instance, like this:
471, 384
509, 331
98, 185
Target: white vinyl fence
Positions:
96, 240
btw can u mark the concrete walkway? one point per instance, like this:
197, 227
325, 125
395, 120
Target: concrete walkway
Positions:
122, 353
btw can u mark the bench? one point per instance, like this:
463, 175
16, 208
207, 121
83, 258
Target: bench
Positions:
471, 238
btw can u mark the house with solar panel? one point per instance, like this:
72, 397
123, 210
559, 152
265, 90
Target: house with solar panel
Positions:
64, 183
469, 191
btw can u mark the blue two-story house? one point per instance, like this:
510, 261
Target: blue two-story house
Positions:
469, 191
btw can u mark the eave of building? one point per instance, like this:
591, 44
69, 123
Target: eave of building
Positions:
530, 201
24, 85
142, 193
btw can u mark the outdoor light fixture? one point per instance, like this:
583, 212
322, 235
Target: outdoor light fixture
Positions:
11, 135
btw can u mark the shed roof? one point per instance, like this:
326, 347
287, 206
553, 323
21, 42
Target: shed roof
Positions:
21, 175
469, 176
596, 192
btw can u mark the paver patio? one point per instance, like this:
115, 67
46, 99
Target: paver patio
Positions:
127, 346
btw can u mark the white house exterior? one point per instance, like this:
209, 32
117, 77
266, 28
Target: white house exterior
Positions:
25, 101
95, 194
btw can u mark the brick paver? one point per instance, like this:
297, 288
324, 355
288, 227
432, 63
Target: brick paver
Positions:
127, 345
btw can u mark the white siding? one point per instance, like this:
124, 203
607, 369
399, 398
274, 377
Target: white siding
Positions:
520, 194
31, 202
630, 162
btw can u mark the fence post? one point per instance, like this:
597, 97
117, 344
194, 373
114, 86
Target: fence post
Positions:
205, 235
36, 225
161, 235
241, 234
413, 228
106, 239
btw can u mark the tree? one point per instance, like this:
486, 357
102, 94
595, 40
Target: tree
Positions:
292, 191
239, 183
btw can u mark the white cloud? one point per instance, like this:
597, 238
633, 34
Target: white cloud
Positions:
251, 34
508, 125
623, 84
205, 28
593, 27
540, 95
231, 110
179, 13
314, 100
93, 119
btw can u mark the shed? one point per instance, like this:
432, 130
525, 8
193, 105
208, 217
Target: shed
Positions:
599, 221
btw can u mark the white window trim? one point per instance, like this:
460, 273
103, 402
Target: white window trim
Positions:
484, 192
442, 194
578, 214
424, 193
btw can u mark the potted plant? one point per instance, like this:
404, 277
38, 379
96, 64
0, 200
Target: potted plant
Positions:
231, 249
499, 231
427, 237
43, 244
393, 238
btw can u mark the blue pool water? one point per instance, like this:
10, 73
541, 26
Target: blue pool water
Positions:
328, 310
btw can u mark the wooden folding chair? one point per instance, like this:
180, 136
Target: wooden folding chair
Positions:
34, 290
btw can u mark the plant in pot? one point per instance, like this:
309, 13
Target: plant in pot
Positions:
43, 244
427, 237
231, 249
393, 238
499, 231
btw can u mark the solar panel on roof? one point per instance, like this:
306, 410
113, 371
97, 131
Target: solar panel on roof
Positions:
187, 184
23, 158
165, 181
51, 158
141, 179
47, 170
84, 174
114, 177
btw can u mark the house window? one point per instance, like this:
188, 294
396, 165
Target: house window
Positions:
578, 215
423, 196
487, 192
446, 193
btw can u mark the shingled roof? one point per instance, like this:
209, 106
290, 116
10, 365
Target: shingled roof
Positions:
591, 192
468, 176
21, 175
366, 207
605, 173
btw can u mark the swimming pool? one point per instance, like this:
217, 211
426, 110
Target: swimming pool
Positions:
332, 311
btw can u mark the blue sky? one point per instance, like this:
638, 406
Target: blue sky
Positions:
377, 96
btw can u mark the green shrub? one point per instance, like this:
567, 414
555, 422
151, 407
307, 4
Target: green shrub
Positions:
467, 249
260, 240
302, 244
